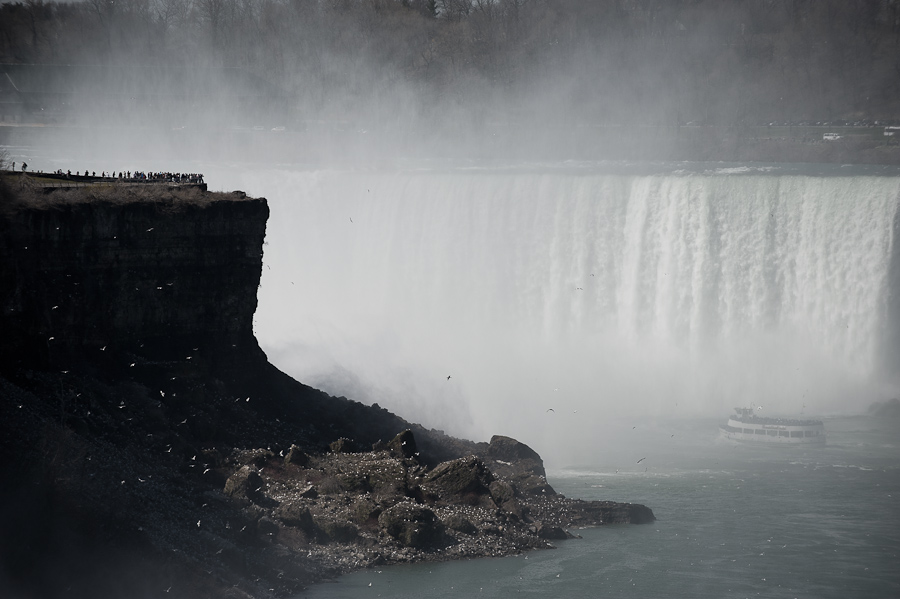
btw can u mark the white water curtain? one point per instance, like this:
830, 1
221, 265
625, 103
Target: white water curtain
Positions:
595, 294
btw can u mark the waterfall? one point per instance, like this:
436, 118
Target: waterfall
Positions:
596, 294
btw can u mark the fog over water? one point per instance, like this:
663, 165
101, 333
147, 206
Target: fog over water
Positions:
607, 294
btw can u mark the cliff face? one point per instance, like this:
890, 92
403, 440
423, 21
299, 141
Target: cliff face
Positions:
148, 447
155, 278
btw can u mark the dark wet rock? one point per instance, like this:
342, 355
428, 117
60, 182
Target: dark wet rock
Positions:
353, 482
246, 482
412, 525
309, 492
461, 524
611, 512
387, 477
502, 492
519, 464
365, 510
266, 526
296, 514
507, 449
342, 445
297, 457
339, 532
403, 445
504, 495
550, 532
466, 479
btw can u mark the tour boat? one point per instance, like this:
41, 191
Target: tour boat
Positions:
747, 426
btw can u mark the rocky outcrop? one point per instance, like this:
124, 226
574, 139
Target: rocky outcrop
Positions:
163, 277
508, 451
404, 445
383, 508
519, 463
412, 525
246, 482
465, 480
149, 435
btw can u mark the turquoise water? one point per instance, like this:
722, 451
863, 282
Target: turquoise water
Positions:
733, 521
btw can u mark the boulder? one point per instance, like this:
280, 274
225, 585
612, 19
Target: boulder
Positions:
267, 527
551, 533
465, 479
516, 455
354, 482
461, 524
364, 510
246, 482
342, 445
403, 445
296, 457
611, 512
296, 515
412, 525
387, 478
309, 492
504, 496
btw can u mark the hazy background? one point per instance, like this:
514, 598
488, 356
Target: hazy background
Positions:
438, 208
376, 79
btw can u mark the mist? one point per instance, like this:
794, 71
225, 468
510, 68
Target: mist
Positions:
564, 302
354, 80
459, 230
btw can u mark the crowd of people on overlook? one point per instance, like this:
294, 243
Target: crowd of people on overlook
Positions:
139, 176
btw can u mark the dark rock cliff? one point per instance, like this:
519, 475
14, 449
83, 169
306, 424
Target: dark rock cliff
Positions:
148, 448
153, 277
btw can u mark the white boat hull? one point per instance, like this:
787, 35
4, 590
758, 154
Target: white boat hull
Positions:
774, 433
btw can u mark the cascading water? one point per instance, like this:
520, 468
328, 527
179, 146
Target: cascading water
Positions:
595, 295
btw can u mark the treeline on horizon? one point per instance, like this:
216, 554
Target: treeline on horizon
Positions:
558, 62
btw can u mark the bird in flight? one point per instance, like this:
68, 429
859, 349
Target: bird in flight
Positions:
448, 377
551, 410
641, 460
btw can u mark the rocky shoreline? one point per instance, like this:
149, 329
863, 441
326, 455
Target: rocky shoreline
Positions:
358, 510
150, 449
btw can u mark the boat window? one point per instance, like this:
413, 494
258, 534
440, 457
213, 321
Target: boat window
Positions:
772, 433
760, 431
796, 433
748, 431
782, 433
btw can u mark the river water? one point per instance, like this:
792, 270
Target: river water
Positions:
732, 521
